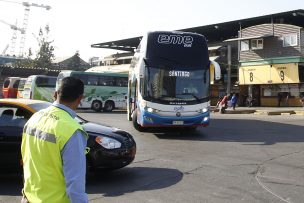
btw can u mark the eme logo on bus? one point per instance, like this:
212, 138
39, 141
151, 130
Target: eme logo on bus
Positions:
175, 39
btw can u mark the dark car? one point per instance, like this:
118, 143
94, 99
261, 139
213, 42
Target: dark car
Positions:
110, 148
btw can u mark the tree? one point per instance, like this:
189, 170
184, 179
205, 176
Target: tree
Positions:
26, 62
45, 54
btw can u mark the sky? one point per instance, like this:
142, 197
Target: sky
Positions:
76, 24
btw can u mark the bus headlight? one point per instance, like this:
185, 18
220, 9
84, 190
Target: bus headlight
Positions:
107, 142
151, 110
143, 104
204, 110
206, 119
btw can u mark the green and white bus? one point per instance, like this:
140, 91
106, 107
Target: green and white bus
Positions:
102, 91
40, 87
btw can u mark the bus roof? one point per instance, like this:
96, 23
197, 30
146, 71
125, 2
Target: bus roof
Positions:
96, 73
46, 76
176, 48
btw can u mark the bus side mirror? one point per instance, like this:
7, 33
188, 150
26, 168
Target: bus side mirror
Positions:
216, 69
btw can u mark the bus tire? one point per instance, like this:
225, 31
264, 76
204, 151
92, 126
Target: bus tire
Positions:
96, 105
135, 124
109, 106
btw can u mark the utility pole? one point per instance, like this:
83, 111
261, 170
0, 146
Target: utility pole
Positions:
229, 69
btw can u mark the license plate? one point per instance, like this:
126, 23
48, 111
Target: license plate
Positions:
178, 122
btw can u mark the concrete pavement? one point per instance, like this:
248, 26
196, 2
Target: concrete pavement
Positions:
263, 110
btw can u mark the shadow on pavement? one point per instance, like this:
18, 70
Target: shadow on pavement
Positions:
132, 179
109, 183
101, 112
236, 130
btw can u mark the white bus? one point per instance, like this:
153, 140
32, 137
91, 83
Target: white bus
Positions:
169, 81
102, 91
40, 87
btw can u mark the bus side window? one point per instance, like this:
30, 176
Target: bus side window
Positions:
125, 82
6, 83
83, 78
121, 82
16, 83
102, 81
108, 81
92, 80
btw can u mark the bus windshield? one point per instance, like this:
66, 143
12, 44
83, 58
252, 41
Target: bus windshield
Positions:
46, 82
176, 86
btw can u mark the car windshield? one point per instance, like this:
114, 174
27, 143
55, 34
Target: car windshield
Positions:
80, 120
40, 105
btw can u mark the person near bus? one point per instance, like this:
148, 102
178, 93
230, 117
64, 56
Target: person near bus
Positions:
234, 101
53, 149
224, 104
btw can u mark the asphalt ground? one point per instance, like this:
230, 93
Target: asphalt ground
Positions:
238, 158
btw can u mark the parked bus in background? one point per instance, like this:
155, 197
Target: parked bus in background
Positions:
40, 87
102, 91
169, 81
21, 87
10, 87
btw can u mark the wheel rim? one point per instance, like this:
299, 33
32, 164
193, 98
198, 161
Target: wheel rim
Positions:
96, 105
109, 106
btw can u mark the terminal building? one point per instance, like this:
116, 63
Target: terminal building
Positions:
261, 57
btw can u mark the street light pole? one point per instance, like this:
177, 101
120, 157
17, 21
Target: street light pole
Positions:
229, 69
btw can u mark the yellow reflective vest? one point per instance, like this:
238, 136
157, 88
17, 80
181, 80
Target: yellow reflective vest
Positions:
44, 137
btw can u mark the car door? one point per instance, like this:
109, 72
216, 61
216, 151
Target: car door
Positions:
12, 120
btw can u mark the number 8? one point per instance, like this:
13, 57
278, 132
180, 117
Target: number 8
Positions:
251, 76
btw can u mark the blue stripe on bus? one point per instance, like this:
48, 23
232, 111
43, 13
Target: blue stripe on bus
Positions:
168, 121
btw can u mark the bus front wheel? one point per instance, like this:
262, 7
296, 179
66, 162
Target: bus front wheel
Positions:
109, 106
135, 124
96, 105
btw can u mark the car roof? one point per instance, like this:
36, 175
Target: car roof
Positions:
22, 102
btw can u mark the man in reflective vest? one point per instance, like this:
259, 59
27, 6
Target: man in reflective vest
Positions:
53, 150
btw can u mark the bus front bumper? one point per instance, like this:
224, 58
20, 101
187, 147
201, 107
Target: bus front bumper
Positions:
148, 119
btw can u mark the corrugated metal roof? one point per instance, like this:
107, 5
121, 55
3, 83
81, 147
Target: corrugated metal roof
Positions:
216, 32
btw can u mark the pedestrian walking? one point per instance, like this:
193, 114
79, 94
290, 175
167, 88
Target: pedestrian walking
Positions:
53, 150
234, 101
